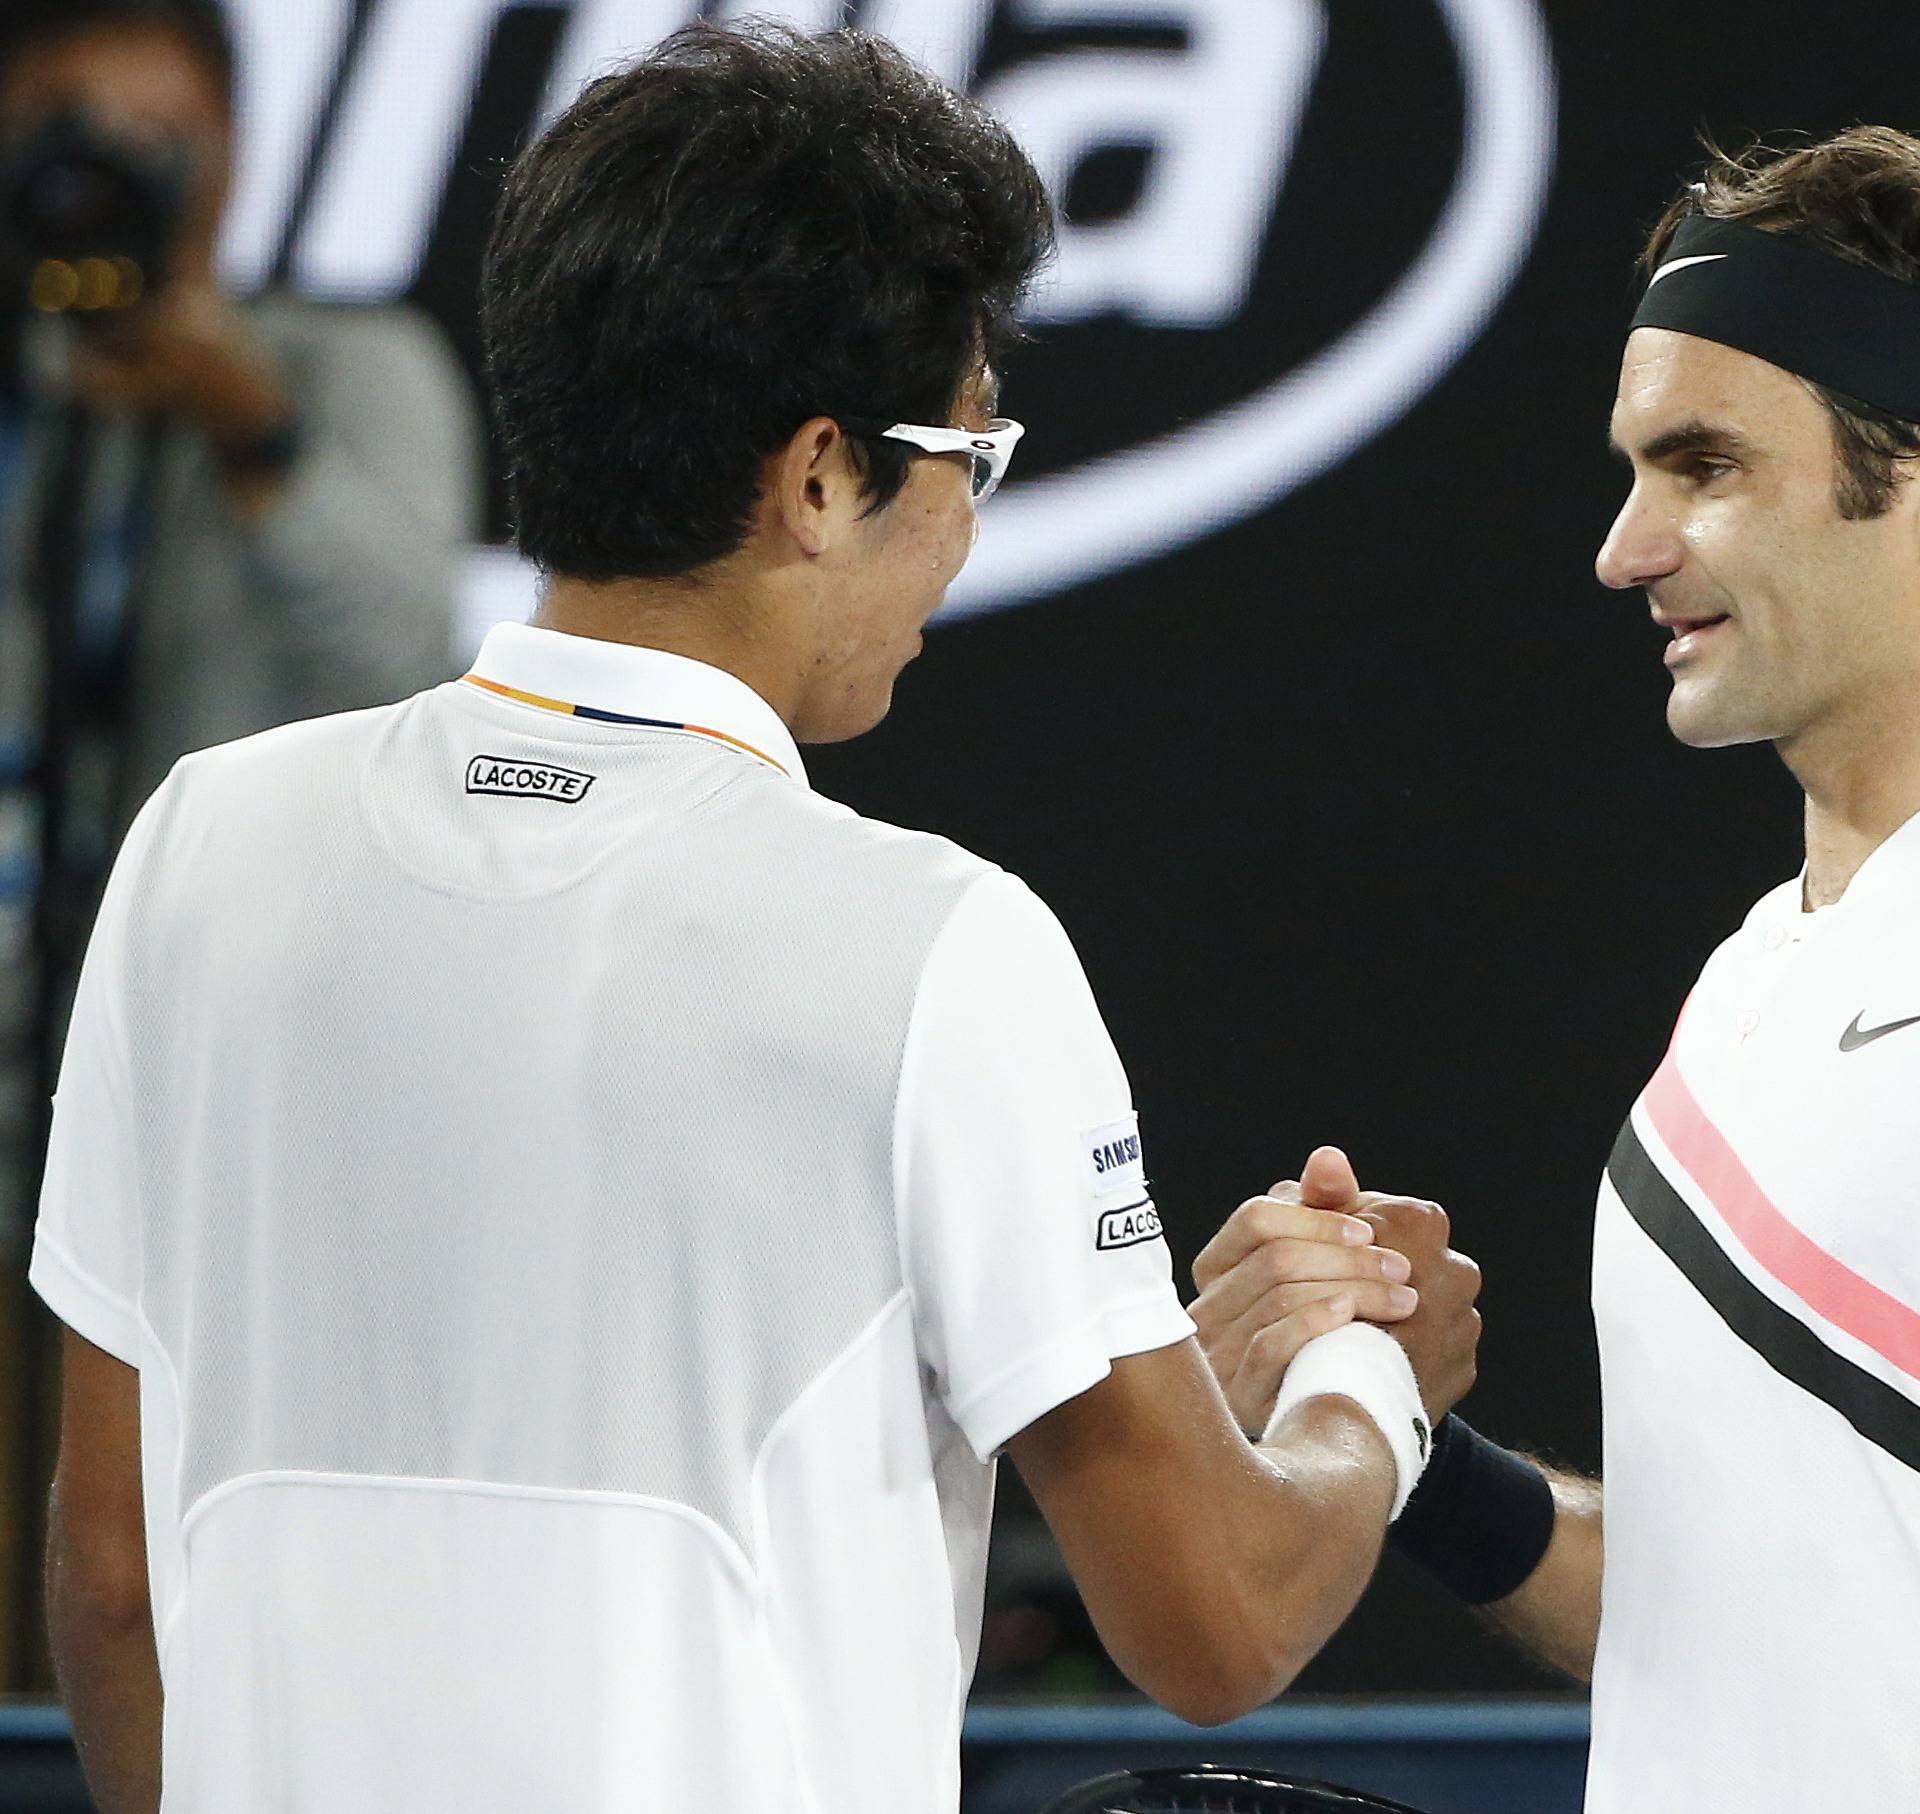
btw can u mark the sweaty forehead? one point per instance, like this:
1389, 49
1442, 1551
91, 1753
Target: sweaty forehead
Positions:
1668, 377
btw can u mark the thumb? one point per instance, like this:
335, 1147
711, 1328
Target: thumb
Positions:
1327, 1182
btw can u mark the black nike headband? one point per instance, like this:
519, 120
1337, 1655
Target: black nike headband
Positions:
1855, 330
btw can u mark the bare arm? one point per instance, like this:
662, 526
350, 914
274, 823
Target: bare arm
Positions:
1213, 1570
1555, 1612
99, 1615
1267, 1283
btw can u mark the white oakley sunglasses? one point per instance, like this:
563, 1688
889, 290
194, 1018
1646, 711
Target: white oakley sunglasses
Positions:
990, 448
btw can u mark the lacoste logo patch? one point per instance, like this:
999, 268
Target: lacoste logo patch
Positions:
526, 780
1114, 1158
1128, 1227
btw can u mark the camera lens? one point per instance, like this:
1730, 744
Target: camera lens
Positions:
73, 191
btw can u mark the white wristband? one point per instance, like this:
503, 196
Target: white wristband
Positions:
1363, 1362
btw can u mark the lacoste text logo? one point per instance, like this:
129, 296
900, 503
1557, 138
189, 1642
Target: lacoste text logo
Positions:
1128, 1227
1857, 1036
526, 780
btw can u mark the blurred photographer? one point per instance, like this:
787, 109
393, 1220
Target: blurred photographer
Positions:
316, 467
215, 515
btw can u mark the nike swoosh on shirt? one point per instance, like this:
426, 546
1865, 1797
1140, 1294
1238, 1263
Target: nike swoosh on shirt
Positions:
1857, 1036
1680, 264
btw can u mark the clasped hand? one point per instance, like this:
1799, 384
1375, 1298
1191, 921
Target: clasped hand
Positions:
1317, 1252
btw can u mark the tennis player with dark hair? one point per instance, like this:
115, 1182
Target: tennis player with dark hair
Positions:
556, 1219
1752, 1637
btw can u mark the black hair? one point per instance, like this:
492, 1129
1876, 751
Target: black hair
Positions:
202, 24
745, 228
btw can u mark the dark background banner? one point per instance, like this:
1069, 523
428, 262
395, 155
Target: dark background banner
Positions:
1360, 808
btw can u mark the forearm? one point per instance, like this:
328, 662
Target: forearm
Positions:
1212, 1570
1555, 1612
1266, 1560
110, 1680
1337, 1474
1346, 1439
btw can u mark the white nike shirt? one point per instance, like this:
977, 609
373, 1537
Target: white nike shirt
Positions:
586, 1212
1757, 1290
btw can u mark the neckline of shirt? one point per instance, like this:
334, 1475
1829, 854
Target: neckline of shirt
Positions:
1896, 856
622, 683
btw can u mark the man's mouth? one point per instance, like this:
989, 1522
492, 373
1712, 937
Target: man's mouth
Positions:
1689, 633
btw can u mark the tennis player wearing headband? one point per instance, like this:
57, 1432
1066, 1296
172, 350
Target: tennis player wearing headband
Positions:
1754, 1639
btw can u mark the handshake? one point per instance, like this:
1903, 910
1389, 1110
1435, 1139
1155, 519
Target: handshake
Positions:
1316, 1253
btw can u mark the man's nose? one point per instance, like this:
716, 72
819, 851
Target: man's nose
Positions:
1640, 548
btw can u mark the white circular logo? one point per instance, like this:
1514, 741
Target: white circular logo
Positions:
1075, 525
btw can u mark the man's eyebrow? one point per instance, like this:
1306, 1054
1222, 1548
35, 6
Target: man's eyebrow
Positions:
1695, 437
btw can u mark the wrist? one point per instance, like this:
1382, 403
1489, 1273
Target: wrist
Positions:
237, 415
265, 452
1366, 1365
1481, 1518
239, 397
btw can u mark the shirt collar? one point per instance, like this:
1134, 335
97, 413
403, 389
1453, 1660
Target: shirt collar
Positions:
620, 683
1892, 866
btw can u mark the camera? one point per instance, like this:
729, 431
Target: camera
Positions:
86, 217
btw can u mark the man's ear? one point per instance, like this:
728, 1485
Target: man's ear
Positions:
813, 484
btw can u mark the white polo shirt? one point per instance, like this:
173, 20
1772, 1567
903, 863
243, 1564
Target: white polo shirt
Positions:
586, 1212
1757, 1291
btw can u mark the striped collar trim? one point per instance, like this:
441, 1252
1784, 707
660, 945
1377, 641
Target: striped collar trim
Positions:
648, 688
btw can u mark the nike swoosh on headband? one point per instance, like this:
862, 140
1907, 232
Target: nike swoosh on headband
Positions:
1680, 264
1857, 1036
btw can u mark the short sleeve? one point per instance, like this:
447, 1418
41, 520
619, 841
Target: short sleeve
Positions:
1029, 1236
87, 1242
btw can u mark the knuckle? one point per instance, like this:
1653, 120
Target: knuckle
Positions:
1247, 1216
1265, 1219
1268, 1343
1283, 1300
1276, 1262
1371, 1300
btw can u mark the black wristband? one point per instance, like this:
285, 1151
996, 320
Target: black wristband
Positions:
1481, 1517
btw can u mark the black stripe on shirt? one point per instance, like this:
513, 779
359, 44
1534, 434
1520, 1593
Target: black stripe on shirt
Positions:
1883, 1416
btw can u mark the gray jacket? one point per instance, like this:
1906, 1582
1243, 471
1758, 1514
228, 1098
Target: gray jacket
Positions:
341, 596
